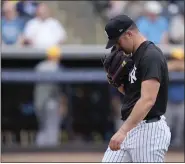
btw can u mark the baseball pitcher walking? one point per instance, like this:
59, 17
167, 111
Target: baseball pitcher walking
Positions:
142, 76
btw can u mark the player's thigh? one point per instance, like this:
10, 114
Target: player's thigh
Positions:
148, 155
116, 156
152, 143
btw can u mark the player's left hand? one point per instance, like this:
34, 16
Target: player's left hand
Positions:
116, 140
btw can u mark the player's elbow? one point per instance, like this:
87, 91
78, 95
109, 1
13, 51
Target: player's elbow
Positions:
149, 101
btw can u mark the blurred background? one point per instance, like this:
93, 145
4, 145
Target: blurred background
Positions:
56, 103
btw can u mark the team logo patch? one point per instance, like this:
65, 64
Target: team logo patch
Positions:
132, 75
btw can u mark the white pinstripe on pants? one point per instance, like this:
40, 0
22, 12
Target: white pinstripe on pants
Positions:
148, 142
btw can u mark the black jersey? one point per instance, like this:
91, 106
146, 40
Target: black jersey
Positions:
149, 62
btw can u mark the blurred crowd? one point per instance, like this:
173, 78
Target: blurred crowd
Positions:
160, 21
30, 23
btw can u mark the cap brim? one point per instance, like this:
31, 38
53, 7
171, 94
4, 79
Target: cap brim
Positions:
111, 43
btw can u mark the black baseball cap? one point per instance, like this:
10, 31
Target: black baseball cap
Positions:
116, 27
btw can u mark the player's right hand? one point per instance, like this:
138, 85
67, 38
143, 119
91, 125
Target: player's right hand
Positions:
116, 140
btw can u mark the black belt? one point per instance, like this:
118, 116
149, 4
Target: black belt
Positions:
149, 120
154, 119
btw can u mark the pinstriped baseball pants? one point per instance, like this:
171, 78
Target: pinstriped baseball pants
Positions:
148, 142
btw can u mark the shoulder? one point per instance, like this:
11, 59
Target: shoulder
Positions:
153, 54
31, 24
47, 66
33, 21
53, 21
163, 20
40, 65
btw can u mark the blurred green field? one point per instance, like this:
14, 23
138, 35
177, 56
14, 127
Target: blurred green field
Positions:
72, 157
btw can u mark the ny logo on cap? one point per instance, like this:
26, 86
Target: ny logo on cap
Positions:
120, 30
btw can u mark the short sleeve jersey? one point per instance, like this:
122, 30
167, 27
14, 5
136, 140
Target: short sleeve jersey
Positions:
149, 63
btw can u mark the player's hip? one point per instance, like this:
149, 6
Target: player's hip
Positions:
155, 124
152, 133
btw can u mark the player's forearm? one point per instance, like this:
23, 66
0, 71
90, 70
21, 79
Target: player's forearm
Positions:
139, 112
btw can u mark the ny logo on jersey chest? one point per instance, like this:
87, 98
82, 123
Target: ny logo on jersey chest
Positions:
132, 75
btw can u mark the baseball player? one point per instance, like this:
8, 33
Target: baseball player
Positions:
138, 69
48, 100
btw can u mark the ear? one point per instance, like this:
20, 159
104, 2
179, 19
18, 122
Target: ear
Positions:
129, 33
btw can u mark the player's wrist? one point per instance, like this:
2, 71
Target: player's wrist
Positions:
124, 129
127, 126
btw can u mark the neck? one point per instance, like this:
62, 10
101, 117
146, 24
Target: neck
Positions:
140, 39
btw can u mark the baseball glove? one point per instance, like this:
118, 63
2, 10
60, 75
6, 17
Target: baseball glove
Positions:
117, 65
